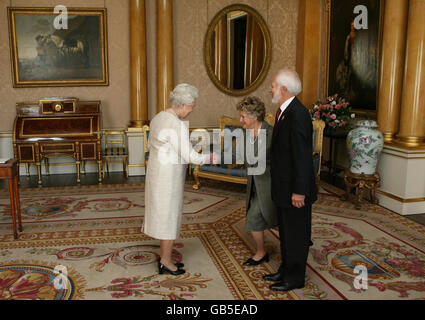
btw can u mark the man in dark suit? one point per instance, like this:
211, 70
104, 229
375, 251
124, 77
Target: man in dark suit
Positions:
293, 181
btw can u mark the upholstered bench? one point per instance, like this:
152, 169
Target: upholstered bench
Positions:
237, 173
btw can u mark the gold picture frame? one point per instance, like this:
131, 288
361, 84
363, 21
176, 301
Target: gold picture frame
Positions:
368, 103
252, 79
44, 56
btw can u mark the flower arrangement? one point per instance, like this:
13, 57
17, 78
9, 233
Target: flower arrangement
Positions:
334, 111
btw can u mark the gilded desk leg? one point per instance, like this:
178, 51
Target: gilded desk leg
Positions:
18, 202
78, 170
12, 207
27, 168
77, 159
38, 159
99, 166
38, 164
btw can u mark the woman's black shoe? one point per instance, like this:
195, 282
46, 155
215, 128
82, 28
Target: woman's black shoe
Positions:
162, 269
252, 262
177, 264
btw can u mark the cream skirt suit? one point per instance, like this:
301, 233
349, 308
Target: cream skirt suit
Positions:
170, 151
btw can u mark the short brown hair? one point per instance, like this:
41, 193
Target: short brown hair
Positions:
253, 106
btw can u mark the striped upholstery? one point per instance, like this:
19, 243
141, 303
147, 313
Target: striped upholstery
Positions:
115, 148
115, 151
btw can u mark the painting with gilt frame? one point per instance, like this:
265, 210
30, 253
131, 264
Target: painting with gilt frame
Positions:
45, 53
353, 53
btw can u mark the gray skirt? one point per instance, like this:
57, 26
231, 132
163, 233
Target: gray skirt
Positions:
254, 217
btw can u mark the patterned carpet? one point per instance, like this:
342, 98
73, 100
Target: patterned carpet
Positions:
85, 243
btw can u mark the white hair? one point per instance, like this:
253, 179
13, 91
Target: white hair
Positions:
183, 94
290, 79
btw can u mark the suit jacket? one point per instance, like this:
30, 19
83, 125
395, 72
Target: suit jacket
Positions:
292, 156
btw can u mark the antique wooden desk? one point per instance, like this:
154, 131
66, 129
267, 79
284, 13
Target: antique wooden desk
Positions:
57, 126
10, 171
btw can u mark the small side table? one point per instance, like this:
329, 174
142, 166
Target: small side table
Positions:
10, 171
334, 139
361, 181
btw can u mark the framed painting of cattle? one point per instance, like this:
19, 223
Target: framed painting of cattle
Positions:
58, 46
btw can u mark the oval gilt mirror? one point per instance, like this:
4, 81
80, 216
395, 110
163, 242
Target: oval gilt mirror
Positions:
237, 50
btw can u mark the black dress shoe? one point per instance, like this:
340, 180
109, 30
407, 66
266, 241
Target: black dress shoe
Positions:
162, 268
284, 286
273, 277
252, 262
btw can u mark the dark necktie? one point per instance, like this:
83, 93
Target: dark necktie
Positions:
278, 114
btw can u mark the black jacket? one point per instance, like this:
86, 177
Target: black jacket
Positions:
292, 156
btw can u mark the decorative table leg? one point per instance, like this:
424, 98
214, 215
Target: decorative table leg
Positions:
99, 166
27, 169
78, 171
39, 172
18, 203
12, 207
359, 195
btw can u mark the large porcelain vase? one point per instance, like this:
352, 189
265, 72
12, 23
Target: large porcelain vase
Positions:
364, 144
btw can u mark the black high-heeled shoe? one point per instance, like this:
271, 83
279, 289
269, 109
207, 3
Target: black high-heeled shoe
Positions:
252, 262
177, 264
162, 268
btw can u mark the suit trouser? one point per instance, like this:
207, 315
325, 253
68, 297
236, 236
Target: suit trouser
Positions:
294, 233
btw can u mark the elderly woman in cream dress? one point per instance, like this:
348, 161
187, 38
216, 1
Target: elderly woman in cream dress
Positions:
170, 151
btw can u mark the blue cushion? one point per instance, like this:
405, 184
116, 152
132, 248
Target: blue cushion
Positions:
237, 171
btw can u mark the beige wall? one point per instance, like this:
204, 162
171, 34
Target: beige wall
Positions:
191, 18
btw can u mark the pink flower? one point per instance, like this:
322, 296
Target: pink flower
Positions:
333, 116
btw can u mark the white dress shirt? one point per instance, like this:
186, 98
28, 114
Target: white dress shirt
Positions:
285, 105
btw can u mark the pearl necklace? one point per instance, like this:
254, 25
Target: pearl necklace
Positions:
253, 140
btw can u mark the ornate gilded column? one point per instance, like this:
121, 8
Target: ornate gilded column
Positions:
392, 67
412, 129
165, 56
138, 88
138, 64
308, 50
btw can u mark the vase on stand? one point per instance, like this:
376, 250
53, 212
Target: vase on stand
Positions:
364, 145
